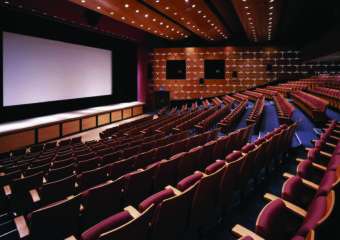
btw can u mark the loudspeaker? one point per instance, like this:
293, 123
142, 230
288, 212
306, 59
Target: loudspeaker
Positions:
92, 18
269, 67
201, 81
234, 75
161, 99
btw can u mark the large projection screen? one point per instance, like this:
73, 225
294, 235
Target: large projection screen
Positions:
37, 70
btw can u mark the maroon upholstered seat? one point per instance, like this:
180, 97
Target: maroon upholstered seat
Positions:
102, 201
93, 177
189, 181
109, 223
155, 199
58, 190
218, 164
233, 156
138, 185
56, 221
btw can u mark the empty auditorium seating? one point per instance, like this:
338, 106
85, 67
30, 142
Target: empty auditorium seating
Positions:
284, 108
313, 106
255, 115
233, 117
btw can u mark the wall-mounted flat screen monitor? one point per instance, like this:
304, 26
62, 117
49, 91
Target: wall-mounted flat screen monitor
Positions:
214, 69
175, 69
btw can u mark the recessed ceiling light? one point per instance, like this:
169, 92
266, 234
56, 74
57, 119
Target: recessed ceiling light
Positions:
154, 19
112, 13
146, 15
83, 1
99, 7
123, 18
167, 7
193, 5
126, 5
175, 13
137, 11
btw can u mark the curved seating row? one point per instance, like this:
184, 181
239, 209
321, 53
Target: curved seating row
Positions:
283, 108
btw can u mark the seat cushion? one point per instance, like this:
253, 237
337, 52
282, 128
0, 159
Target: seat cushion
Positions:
248, 147
187, 182
218, 164
334, 162
315, 212
292, 189
304, 169
259, 141
233, 156
108, 224
155, 199
271, 222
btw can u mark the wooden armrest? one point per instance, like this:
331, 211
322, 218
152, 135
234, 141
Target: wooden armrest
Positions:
336, 131
176, 129
319, 167
304, 181
330, 145
21, 226
326, 154
241, 231
292, 207
7, 190
300, 160
176, 191
133, 211
334, 137
34, 195
307, 149
198, 126
71, 238
143, 132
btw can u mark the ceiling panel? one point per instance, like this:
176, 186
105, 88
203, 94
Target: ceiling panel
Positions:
136, 14
194, 15
259, 18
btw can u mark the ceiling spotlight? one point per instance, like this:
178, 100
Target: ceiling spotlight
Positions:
137, 10
98, 7
167, 7
193, 5
126, 5
112, 13
83, 1
146, 15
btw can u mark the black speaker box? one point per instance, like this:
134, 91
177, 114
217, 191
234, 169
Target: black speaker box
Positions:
161, 99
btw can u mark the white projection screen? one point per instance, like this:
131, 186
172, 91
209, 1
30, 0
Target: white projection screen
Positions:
37, 70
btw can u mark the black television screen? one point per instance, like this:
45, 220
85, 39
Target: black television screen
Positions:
214, 69
175, 69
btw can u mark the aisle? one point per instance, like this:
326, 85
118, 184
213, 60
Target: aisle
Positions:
305, 130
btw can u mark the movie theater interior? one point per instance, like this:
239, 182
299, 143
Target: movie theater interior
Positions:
170, 120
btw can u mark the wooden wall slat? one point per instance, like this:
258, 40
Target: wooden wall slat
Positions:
70, 127
48, 133
16, 140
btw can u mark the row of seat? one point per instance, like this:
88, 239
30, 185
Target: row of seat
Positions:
216, 116
313, 106
136, 186
18, 153
191, 122
253, 95
283, 90
240, 97
168, 128
256, 113
307, 207
228, 100
267, 92
283, 108
197, 199
124, 127
64, 155
98, 174
330, 94
233, 117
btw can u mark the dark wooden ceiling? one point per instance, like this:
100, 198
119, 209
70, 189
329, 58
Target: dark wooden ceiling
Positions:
238, 22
